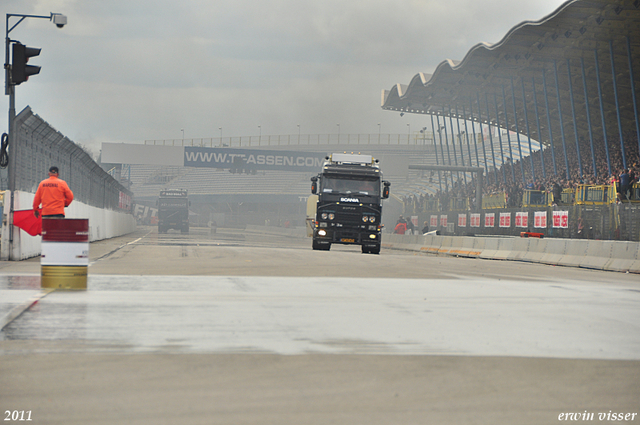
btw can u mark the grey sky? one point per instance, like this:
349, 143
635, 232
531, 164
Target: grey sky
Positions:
126, 71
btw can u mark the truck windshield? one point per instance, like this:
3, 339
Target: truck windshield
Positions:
343, 185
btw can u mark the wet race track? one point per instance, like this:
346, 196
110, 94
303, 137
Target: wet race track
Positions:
237, 327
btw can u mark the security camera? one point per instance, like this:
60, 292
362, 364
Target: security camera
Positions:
59, 19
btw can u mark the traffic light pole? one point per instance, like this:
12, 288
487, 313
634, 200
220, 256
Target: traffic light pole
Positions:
10, 90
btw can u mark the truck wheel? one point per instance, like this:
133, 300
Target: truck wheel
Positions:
371, 250
320, 247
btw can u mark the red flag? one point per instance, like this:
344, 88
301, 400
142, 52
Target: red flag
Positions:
27, 221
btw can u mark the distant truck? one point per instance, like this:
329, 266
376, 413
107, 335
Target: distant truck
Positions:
348, 210
173, 210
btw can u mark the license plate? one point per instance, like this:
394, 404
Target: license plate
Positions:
347, 240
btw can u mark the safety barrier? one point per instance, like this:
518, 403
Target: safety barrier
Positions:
616, 256
496, 200
595, 195
459, 204
592, 254
103, 224
536, 198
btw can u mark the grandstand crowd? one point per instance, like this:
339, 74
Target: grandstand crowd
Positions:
509, 179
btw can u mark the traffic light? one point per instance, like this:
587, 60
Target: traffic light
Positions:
20, 71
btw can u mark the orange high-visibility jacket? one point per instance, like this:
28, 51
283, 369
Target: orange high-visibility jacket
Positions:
54, 194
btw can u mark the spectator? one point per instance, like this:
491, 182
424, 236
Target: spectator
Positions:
425, 227
557, 193
401, 226
410, 227
624, 184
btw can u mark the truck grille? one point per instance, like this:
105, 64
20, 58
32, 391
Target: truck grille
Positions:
349, 218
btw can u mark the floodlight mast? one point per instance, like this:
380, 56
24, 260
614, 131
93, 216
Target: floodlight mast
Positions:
60, 21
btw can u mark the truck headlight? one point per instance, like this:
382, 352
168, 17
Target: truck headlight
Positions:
365, 218
324, 216
331, 216
372, 236
322, 232
372, 219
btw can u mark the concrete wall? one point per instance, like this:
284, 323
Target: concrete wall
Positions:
620, 256
103, 224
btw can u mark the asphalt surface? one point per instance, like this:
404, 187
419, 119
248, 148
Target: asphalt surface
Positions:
235, 327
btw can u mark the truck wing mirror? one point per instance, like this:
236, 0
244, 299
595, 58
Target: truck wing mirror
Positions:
314, 185
385, 190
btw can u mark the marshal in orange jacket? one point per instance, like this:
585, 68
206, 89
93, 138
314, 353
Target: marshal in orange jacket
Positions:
54, 194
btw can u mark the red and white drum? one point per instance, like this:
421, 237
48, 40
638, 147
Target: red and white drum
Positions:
65, 253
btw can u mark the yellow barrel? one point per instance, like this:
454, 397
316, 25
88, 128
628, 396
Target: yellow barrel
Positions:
63, 277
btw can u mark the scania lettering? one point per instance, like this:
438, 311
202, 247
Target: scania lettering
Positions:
348, 209
173, 211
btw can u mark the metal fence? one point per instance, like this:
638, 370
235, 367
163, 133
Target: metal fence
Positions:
417, 139
38, 146
608, 222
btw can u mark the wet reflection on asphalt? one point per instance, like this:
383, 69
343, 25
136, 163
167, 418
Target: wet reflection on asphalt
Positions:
290, 315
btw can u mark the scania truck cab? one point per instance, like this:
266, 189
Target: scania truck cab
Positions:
350, 191
173, 211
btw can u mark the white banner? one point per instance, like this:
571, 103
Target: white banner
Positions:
540, 220
505, 219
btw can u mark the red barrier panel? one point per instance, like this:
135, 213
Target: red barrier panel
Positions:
531, 235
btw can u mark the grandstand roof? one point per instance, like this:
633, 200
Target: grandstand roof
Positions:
529, 54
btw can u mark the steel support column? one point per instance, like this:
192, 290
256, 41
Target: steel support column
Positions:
446, 140
493, 155
515, 117
466, 131
633, 92
453, 141
504, 174
535, 104
526, 121
436, 149
564, 141
615, 93
573, 114
604, 126
442, 150
464, 175
546, 101
473, 128
586, 104
506, 126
